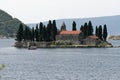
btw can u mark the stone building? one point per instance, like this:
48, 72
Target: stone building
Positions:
70, 36
91, 40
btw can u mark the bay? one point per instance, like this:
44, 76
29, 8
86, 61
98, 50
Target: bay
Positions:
59, 63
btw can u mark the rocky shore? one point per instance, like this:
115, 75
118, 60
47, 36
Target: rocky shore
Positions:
62, 45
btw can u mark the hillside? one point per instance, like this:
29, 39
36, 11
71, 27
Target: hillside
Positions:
113, 23
8, 25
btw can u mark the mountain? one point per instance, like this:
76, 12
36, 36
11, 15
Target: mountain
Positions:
112, 22
8, 24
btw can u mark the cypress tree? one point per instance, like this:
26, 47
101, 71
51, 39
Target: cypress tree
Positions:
33, 34
105, 32
41, 31
29, 34
26, 34
54, 30
63, 27
74, 26
49, 28
85, 30
19, 36
82, 28
88, 31
90, 28
96, 31
37, 33
100, 32
44, 34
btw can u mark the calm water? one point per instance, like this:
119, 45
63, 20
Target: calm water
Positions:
59, 64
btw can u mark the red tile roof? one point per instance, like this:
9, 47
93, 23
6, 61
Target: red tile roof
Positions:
70, 32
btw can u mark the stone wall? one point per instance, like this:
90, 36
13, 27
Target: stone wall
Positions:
69, 37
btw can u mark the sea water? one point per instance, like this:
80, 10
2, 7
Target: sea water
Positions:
59, 63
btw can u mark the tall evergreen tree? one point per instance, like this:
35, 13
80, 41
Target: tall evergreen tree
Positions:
105, 32
54, 30
100, 32
26, 34
90, 28
96, 31
49, 29
19, 36
41, 31
74, 26
85, 30
37, 33
63, 27
29, 34
82, 28
33, 34
44, 34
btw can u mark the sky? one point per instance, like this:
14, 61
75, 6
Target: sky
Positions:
33, 11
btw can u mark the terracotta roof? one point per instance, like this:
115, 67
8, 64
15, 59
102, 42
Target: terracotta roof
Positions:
70, 32
93, 37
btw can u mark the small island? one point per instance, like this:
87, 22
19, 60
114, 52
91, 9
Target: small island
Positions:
114, 37
50, 37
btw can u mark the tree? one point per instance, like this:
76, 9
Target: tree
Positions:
33, 34
54, 30
27, 34
37, 33
44, 34
85, 30
82, 28
96, 31
41, 32
74, 26
105, 32
63, 27
100, 32
90, 28
49, 29
19, 36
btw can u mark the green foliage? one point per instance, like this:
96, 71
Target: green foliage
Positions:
19, 36
54, 30
37, 33
100, 32
48, 34
82, 28
2, 66
41, 31
33, 34
85, 30
74, 26
63, 27
96, 31
90, 28
8, 25
105, 32
4, 16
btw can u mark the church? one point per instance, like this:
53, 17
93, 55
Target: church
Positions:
70, 36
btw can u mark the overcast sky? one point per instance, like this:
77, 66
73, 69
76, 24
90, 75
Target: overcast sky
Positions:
32, 11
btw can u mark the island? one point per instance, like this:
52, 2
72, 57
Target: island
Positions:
50, 37
114, 37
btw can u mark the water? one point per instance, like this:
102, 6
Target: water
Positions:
59, 64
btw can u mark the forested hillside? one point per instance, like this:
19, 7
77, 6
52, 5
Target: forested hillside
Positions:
8, 25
